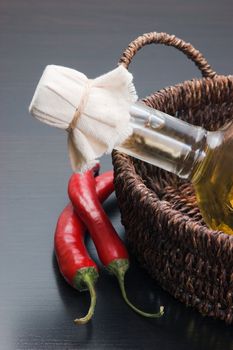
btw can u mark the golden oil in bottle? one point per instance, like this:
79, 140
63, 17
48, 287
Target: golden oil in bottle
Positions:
213, 183
191, 152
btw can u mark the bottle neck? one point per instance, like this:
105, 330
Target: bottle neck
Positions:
164, 141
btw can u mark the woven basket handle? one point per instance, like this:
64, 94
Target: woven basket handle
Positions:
169, 40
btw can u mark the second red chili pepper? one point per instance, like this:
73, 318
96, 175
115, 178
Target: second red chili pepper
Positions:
110, 248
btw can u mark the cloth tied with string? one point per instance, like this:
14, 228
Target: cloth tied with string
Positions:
94, 112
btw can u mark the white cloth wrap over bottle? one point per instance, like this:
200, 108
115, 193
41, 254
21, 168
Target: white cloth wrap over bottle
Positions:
95, 112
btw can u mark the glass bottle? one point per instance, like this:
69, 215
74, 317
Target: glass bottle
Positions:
191, 152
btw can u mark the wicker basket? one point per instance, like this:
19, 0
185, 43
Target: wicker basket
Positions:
163, 224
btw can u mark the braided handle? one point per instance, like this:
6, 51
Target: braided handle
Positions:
169, 40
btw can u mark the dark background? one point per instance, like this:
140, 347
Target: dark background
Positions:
36, 305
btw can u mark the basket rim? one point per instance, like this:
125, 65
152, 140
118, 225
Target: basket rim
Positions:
211, 85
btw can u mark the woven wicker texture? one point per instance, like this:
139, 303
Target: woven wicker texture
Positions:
162, 221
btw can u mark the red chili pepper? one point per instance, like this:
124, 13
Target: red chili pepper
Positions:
110, 248
75, 264
104, 185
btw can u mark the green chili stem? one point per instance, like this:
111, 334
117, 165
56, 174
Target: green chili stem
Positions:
119, 268
120, 278
89, 282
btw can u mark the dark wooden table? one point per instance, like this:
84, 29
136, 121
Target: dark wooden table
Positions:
36, 305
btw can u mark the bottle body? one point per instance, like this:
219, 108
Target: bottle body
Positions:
206, 158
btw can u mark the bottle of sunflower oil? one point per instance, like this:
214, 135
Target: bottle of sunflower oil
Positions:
191, 152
